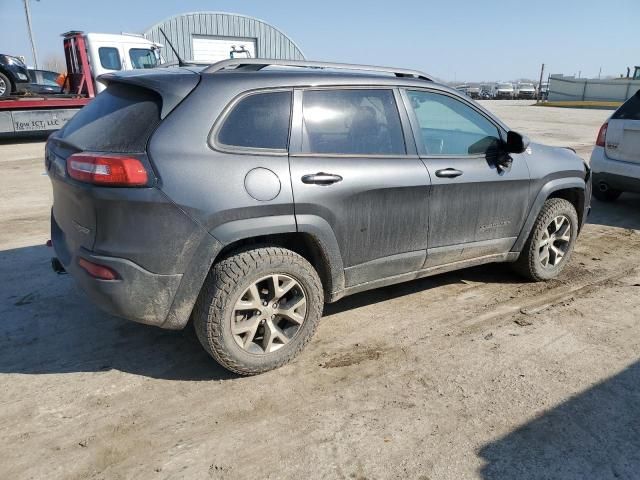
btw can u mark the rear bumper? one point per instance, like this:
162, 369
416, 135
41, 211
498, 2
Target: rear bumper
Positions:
617, 175
138, 295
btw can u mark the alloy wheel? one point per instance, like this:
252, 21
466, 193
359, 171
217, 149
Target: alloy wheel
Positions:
3, 87
555, 241
269, 314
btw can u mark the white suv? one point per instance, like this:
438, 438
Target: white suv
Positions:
615, 160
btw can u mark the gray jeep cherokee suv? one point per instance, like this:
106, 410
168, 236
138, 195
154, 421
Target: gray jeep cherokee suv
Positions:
245, 196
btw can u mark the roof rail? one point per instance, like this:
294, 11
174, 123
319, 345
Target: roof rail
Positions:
255, 64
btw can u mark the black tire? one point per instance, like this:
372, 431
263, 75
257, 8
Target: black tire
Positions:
7, 83
529, 262
225, 285
608, 195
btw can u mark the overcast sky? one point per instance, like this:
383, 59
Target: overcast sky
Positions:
455, 40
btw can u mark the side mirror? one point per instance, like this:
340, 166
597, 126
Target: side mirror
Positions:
516, 143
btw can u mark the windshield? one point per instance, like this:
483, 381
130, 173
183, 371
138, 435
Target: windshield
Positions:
505, 86
143, 58
526, 85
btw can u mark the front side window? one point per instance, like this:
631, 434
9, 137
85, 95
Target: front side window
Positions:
450, 127
260, 120
352, 122
142, 58
110, 58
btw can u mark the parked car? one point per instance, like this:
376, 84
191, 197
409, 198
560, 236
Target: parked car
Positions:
503, 91
13, 75
525, 91
294, 187
473, 92
616, 157
43, 82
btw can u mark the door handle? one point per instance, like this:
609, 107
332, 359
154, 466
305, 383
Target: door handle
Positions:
321, 178
448, 173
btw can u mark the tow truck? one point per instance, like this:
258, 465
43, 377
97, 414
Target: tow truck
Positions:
87, 56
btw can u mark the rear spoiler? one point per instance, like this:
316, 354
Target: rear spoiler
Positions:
172, 84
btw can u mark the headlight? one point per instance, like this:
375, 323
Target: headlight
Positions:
22, 76
15, 61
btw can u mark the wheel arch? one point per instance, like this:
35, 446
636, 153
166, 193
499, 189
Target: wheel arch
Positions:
304, 244
308, 235
571, 189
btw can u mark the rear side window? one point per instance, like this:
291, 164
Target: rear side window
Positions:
351, 122
260, 120
110, 58
121, 119
630, 110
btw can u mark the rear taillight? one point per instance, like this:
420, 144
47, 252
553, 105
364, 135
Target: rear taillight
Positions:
107, 170
602, 135
98, 271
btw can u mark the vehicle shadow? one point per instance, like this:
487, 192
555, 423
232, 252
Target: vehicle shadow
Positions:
48, 326
499, 273
27, 137
595, 434
623, 213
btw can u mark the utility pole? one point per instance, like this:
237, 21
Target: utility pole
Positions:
540, 83
27, 11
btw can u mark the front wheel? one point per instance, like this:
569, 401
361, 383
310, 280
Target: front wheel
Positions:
258, 308
550, 242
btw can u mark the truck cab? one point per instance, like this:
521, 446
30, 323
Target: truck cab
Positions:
112, 53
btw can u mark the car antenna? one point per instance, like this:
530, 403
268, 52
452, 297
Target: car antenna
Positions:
181, 63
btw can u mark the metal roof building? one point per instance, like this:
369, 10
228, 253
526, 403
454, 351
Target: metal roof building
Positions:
213, 36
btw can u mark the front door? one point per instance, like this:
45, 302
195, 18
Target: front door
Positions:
350, 168
477, 207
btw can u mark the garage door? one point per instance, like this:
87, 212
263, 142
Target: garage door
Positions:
214, 49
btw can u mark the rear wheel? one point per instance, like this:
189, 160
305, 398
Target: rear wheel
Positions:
551, 241
5, 86
258, 309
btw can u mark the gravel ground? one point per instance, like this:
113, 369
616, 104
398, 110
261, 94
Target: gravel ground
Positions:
473, 374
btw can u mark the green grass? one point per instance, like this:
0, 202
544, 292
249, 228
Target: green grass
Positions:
578, 104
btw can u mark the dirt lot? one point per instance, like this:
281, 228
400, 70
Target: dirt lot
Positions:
473, 374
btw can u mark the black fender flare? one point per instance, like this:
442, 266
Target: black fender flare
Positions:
317, 227
547, 190
323, 234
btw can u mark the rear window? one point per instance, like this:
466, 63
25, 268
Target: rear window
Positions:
630, 110
121, 119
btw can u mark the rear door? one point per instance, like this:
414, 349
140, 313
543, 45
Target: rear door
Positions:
477, 207
351, 169
623, 132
